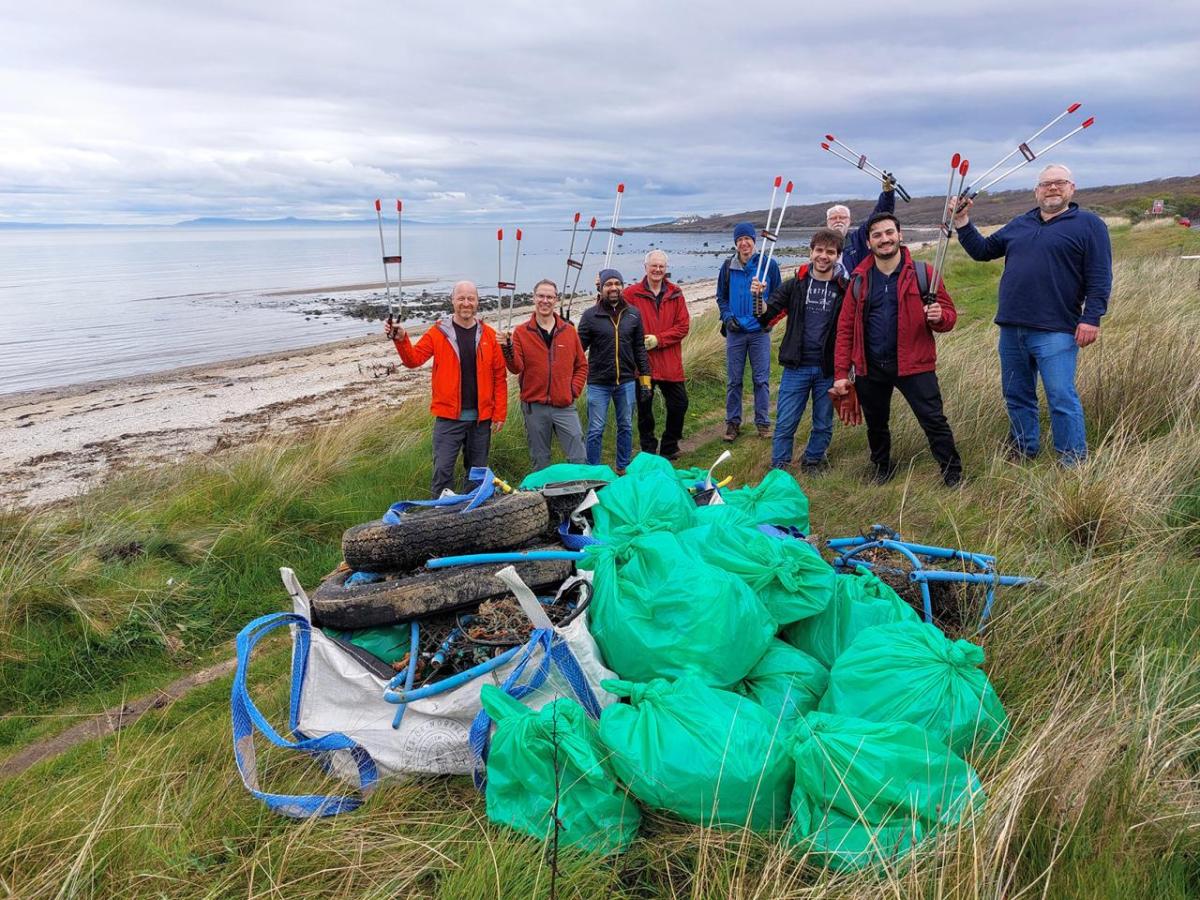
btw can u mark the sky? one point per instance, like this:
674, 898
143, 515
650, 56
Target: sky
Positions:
128, 112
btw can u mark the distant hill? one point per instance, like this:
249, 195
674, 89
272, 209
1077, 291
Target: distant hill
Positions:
1182, 196
286, 222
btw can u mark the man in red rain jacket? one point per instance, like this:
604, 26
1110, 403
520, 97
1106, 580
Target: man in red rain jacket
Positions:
885, 334
665, 319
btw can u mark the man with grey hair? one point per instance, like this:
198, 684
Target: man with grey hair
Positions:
1054, 290
664, 313
470, 385
855, 249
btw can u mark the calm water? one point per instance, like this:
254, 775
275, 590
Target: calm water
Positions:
84, 304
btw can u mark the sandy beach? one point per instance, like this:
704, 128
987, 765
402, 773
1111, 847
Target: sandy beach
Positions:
57, 443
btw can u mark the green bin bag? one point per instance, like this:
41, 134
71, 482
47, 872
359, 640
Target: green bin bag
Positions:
910, 671
859, 601
845, 843
566, 472
776, 500
786, 574
786, 682
708, 756
647, 499
658, 611
595, 813
854, 776
389, 643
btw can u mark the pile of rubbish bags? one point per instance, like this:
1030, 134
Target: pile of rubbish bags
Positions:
760, 689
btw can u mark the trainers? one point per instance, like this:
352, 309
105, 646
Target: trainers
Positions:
619, 472
764, 431
952, 478
673, 454
883, 474
731, 431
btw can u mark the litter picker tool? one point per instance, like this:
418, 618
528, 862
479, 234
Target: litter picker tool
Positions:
1027, 152
570, 261
613, 231
959, 167
501, 284
389, 260
860, 161
578, 266
770, 235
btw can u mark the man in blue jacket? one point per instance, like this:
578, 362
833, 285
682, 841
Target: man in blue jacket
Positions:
1055, 287
738, 299
855, 248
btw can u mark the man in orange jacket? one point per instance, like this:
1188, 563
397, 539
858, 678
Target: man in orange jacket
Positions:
551, 367
885, 336
470, 384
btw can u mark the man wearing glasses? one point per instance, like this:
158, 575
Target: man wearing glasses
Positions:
1055, 287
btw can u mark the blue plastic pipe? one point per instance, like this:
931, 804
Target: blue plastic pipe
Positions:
478, 559
448, 684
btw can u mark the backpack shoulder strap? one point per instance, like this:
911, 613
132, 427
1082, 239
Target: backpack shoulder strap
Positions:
725, 266
921, 268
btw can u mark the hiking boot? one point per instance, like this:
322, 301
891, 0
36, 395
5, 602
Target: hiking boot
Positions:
672, 454
814, 466
883, 474
731, 431
764, 431
619, 472
953, 478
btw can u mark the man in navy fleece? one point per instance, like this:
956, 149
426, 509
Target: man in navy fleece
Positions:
1055, 287
855, 249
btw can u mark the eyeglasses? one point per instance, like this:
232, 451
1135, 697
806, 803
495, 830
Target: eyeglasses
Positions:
1058, 183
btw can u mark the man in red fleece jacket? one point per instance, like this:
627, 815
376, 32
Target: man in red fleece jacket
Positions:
665, 319
546, 356
885, 336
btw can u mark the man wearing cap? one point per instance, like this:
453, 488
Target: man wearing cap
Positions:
855, 248
548, 360
664, 314
470, 384
739, 299
611, 332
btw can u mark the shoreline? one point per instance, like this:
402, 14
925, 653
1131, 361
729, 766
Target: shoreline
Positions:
59, 442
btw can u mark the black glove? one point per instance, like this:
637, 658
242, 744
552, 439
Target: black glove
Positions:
645, 392
734, 325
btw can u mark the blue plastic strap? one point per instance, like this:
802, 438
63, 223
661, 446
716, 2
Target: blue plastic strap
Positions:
574, 541
472, 499
554, 651
247, 719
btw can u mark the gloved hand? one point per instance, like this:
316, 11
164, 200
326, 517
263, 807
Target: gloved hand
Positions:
651, 341
732, 324
645, 390
845, 403
889, 181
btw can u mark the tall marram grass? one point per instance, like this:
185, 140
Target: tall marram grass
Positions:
1096, 794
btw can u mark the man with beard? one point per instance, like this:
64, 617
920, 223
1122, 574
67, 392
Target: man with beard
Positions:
469, 382
664, 313
811, 300
548, 360
885, 335
854, 243
1055, 287
611, 332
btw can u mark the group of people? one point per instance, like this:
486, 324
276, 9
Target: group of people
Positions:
861, 319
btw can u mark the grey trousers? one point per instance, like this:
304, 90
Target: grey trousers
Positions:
542, 422
450, 437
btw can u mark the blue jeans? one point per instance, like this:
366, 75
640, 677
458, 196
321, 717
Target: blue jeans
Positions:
757, 346
1026, 353
794, 387
598, 397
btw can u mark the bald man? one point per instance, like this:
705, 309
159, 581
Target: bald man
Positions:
854, 246
469, 381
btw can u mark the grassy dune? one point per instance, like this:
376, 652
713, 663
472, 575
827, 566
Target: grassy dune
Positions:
1097, 793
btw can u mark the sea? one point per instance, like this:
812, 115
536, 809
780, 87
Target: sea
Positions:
84, 304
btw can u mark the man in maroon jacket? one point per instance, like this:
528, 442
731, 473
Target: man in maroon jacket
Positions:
546, 356
885, 340
665, 318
